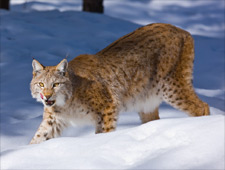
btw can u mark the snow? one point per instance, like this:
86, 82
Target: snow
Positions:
202, 17
156, 145
50, 29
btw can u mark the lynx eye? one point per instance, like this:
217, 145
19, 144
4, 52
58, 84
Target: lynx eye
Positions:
55, 84
41, 84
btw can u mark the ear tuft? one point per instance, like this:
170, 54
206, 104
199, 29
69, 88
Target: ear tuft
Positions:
62, 66
37, 67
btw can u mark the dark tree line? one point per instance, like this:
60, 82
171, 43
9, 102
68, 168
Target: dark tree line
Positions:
88, 5
93, 6
4, 4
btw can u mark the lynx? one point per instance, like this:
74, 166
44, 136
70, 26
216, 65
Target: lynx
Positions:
137, 72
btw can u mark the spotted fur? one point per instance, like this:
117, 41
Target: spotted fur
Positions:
136, 72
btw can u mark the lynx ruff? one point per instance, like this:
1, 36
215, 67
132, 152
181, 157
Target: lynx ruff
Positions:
137, 72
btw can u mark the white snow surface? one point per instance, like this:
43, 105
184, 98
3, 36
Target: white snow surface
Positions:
50, 29
185, 143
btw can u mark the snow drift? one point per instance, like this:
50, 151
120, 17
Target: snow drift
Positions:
184, 143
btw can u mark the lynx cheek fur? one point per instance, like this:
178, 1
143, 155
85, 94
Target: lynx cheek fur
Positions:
136, 72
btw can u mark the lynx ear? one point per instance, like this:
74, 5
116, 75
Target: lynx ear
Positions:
37, 67
62, 66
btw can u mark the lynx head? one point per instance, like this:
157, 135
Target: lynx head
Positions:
51, 85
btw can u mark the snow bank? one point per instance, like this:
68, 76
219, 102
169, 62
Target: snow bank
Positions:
184, 143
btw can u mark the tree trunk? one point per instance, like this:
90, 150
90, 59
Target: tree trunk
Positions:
93, 6
4, 4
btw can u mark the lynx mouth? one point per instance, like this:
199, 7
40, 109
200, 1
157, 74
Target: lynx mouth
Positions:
49, 102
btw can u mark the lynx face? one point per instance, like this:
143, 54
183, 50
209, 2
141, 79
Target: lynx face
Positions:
50, 84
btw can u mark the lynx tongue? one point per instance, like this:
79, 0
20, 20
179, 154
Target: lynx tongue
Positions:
41, 96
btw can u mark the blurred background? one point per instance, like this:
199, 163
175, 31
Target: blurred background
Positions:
202, 17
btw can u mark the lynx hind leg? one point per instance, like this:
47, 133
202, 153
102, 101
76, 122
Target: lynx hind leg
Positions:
186, 99
146, 117
178, 90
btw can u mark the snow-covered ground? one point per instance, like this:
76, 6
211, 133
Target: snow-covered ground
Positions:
50, 29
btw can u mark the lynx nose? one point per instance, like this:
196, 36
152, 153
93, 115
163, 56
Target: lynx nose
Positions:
48, 96
47, 93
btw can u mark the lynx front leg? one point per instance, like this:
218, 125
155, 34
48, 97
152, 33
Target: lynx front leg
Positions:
106, 121
49, 128
146, 117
